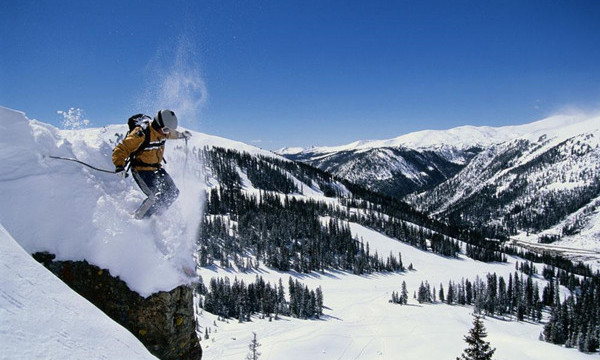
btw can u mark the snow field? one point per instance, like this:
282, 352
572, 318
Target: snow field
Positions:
360, 323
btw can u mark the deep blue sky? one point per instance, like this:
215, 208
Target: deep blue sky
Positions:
301, 73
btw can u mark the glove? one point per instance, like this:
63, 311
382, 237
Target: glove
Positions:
185, 135
121, 172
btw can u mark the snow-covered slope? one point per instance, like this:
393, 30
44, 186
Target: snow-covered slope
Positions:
360, 323
77, 213
575, 154
42, 318
421, 160
463, 137
541, 184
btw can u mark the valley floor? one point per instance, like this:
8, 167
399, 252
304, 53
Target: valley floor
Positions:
360, 323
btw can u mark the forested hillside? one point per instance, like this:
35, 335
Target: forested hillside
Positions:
523, 185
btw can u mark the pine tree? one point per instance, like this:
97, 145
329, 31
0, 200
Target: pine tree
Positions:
253, 347
477, 348
395, 298
404, 294
319, 302
450, 296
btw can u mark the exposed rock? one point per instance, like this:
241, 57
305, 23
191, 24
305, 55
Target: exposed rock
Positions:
163, 322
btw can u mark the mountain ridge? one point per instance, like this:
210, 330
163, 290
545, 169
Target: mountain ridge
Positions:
265, 216
461, 137
559, 154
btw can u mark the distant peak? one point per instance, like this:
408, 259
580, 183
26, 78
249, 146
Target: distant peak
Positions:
468, 136
289, 150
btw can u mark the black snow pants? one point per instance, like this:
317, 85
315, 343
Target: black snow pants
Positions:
160, 189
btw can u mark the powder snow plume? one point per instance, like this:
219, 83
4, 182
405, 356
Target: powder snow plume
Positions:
73, 119
175, 82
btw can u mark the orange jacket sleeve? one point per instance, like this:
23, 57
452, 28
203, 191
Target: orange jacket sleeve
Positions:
130, 144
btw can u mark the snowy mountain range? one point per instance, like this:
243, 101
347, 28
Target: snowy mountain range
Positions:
543, 186
538, 181
463, 137
253, 223
421, 160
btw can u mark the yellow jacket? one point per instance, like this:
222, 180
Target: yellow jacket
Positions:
148, 159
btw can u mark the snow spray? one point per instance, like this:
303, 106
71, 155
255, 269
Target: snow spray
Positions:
175, 82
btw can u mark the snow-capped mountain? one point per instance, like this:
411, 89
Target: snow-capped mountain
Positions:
463, 137
546, 183
421, 160
394, 171
541, 177
264, 216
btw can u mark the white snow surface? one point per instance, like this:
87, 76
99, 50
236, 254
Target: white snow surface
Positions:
289, 150
360, 323
465, 137
42, 318
77, 213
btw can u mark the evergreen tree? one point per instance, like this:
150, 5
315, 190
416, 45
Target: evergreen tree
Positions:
450, 296
319, 302
424, 293
477, 348
404, 294
253, 347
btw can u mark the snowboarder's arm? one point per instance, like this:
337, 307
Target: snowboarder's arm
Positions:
130, 144
174, 134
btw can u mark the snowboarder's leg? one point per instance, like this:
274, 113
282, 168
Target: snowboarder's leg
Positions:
146, 209
160, 189
147, 181
167, 190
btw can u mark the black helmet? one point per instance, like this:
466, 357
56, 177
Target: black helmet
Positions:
166, 119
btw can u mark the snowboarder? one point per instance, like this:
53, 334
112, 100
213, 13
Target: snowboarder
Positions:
143, 149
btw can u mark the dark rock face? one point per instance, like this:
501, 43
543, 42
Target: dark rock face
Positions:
163, 322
